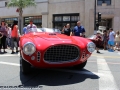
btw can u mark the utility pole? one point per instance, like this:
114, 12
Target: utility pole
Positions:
95, 15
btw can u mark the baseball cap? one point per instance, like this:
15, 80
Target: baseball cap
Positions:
98, 32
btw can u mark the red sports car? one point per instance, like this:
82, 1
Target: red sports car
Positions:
47, 48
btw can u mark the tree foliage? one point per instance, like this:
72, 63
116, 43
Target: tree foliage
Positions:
21, 3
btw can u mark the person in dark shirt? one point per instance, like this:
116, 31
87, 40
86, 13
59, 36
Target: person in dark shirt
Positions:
79, 30
3, 30
67, 30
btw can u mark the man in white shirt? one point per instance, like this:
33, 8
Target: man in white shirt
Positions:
31, 25
111, 41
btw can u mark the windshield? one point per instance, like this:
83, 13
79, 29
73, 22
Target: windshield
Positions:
49, 30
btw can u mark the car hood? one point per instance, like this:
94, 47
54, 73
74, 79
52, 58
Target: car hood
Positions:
47, 39
54, 37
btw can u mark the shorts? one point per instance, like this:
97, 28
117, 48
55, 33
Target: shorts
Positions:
111, 43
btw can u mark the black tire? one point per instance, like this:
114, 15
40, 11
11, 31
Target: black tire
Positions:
25, 66
81, 66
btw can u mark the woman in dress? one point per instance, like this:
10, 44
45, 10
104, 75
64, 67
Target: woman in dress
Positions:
105, 39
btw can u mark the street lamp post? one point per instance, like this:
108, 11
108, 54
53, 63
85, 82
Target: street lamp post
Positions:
95, 15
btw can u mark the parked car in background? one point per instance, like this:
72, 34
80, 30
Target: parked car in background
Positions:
48, 48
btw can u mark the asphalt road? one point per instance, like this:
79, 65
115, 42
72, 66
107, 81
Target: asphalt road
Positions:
102, 72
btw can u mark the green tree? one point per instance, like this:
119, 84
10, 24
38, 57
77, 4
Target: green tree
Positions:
21, 4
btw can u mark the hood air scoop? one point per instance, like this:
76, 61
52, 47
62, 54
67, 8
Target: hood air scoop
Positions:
52, 33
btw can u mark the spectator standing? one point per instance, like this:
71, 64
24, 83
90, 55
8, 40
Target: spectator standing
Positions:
117, 40
111, 41
14, 37
9, 36
79, 30
31, 25
3, 30
67, 30
105, 39
98, 40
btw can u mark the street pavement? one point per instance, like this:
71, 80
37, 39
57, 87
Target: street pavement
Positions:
102, 72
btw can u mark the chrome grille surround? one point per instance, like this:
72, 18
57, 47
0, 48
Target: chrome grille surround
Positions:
62, 54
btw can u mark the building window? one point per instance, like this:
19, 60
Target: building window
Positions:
60, 20
37, 20
66, 18
9, 21
100, 2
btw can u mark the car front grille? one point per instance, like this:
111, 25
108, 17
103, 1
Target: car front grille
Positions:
61, 53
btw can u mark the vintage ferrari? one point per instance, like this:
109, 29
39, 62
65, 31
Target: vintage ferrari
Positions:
48, 48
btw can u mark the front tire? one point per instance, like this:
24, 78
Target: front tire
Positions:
25, 66
81, 66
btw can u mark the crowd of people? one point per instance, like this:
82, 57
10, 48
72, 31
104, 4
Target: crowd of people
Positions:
109, 39
78, 30
9, 36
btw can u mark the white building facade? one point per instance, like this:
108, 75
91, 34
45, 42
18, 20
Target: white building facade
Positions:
57, 13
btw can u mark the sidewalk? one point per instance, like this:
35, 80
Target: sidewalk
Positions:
8, 50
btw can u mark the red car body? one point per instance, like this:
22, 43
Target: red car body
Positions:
51, 48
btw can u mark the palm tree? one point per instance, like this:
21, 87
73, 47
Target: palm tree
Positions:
21, 4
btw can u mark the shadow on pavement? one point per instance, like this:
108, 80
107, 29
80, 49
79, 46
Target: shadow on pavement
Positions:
101, 53
55, 77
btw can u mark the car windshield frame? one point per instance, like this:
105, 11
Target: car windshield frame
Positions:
47, 30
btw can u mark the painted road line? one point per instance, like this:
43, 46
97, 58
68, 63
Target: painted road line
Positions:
106, 81
9, 55
8, 63
115, 63
62, 70
105, 56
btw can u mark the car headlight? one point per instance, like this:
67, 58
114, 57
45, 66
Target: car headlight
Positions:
29, 48
91, 47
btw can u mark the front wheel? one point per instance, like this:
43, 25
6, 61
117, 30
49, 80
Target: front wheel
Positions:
25, 66
81, 66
